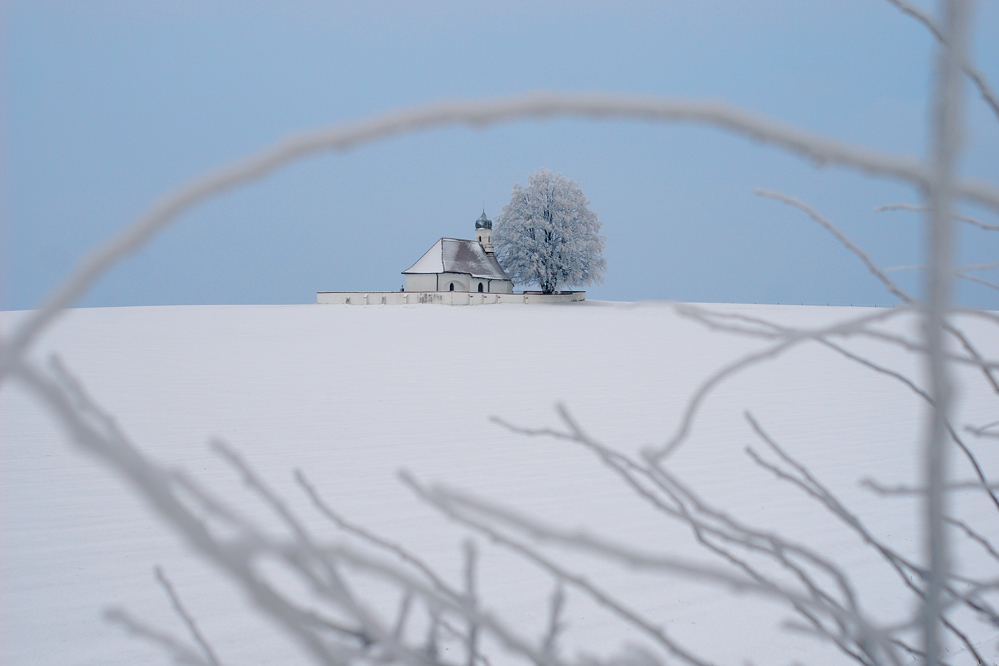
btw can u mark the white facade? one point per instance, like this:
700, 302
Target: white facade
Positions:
484, 237
447, 281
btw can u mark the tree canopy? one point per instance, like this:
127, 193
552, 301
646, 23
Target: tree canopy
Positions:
548, 236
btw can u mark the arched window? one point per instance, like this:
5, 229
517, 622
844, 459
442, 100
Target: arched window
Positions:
452, 287
480, 287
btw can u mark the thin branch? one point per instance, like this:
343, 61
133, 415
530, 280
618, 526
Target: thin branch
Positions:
979, 267
471, 593
399, 629
808, 483
975, 536
972, 72
180, 653
922, 209
186, 617
748, 538
446, 599
555, 626
656, 633
383, 543
983, 430
983, 482
977, 280
842, 238
789, 341
432, 649
903, 489
333, 586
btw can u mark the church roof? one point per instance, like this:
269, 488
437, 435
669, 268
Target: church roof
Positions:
451, 255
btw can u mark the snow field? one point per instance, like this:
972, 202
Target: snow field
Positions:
352, 395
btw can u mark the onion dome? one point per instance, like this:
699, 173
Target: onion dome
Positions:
483, 222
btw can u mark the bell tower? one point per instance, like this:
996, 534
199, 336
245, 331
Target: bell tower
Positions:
484, 232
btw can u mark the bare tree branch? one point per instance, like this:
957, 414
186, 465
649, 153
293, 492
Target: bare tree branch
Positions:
903, 489
946, 147
977, 280
972, 72
656, 633
975, 536
960, 218
555, 626
471, 593
180, 653
841, 237
450, 600
902, 566
189, 622
789, 341
367, 535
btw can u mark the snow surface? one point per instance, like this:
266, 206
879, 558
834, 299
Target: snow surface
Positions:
432, 260
352, 395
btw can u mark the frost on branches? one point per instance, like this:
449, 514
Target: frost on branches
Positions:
547, 236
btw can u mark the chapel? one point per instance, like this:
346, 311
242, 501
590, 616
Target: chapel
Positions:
453, 264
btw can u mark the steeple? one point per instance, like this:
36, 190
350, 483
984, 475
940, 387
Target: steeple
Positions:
484, 232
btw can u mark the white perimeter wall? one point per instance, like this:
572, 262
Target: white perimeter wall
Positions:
441, 298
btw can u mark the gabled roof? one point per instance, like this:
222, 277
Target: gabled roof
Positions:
452, 255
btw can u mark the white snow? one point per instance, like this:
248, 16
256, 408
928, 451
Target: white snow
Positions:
352, 395
431, 262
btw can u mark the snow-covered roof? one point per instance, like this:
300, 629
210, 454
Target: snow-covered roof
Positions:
452, 255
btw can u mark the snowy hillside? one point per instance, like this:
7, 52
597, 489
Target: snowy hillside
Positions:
352, 395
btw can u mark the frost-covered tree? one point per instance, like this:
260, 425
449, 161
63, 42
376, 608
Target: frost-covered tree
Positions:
548, 236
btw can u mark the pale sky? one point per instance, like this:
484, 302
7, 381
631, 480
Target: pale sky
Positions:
109, 105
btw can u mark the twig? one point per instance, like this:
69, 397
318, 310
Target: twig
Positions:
471, 594
555, 605
842, 238
972, 72
399, 629
767, 544
921, 209
788, 342
903, 489
977, 280
189, 622
975, 536
180, 653
812, 487
630, 616
446, 599
365, 534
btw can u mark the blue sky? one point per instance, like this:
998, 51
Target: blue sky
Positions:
109, 105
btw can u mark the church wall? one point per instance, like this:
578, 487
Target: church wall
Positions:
500, 287
462, 282
421, 282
